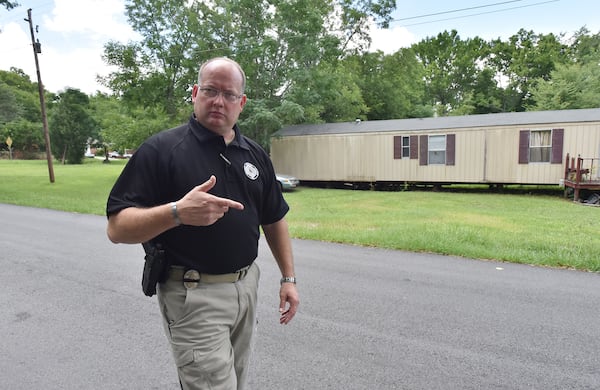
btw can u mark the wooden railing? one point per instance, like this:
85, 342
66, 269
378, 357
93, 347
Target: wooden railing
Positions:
581, 173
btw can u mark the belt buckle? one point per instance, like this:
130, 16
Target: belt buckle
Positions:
191, 278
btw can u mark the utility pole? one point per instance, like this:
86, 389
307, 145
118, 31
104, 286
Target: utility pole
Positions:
37, 48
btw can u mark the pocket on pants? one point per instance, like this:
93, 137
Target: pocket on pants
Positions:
173, 300
200, 370
183, 358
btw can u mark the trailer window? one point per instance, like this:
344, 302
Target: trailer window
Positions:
540, 146
437, 149
405, 147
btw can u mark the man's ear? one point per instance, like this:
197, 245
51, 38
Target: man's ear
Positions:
194, 93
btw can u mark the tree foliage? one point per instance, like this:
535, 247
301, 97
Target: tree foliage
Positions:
8, 4
574, 84
452, 68
279, 43
20, 115
121, 127
391, 85
24, 93
27, 136
523, 60
306, 61
10, 109
570, 86
71, 126
585, 47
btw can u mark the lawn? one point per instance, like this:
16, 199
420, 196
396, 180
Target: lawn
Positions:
79, 188
545, 230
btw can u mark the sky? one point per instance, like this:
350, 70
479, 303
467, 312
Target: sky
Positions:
73, 32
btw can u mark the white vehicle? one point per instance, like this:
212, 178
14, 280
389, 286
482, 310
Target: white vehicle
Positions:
287, 182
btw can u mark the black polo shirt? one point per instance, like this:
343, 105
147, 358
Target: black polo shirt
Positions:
169, 164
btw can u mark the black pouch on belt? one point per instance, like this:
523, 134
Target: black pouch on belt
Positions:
156, 267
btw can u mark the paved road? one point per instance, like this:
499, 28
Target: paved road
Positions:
72, 316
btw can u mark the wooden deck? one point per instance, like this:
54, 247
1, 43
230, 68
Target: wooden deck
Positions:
581, 174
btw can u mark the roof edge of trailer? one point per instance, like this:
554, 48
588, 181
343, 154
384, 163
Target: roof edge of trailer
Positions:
448, 122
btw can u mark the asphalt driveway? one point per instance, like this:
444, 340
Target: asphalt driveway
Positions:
73, 316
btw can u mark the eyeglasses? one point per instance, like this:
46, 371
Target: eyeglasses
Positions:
213, 93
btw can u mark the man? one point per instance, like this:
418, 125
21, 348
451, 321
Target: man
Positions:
201, 191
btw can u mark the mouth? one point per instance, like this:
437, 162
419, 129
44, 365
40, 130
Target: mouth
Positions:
216, 113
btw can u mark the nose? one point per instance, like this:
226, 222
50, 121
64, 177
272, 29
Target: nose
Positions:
219, 98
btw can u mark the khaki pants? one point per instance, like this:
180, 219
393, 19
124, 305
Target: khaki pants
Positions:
210, 329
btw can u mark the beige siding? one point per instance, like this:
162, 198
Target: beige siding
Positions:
482, 155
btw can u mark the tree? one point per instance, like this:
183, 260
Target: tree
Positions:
20, 114
27, 136
276, 41
391, 85
342, 96
121, 127
484, 96
259, 122
525, 59
8, 4
570, 87
10, 109
71, 126
25, 93
585, 48
451, 68
158, 69
329, 94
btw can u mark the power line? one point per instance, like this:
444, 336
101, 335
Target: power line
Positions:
13, 17
470, 15
455, 10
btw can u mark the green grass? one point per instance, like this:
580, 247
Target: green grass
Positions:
540, 230
533, 229
79, 188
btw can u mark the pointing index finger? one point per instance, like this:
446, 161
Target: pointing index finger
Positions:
232, 204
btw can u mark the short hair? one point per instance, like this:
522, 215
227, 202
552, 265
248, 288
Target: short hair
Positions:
229, 60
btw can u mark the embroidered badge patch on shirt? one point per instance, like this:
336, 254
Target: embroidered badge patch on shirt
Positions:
251, 171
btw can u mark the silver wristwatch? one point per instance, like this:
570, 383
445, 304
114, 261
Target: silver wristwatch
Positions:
288, 279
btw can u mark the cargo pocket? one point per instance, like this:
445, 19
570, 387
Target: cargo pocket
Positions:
201, 371
189, 372
183, 358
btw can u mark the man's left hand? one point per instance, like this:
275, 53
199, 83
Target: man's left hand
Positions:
289, 301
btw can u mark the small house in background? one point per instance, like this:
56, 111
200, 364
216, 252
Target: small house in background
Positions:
495, 149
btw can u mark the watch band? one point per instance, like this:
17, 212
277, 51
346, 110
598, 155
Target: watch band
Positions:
288, 279
174, 213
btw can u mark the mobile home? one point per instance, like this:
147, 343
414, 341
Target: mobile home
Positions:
494, 149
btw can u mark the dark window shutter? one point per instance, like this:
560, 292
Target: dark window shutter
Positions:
414, 147
524, 147
423, 149
397, 147
557, 145
450, 147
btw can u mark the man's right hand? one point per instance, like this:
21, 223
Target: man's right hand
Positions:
199, 208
